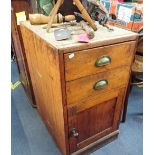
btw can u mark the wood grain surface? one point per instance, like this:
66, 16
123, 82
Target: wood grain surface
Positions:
45, 73
83, 62
22, 5
91, 101
96, 122
63, 76
102, 37
19, 52
82, 88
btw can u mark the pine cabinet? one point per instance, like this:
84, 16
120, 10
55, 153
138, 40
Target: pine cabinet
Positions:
79, 88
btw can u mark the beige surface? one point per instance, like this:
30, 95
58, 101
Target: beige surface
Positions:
102, 36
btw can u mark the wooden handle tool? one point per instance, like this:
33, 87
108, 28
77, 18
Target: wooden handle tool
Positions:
85, 14
69, 18
36, 19
53, 13
102, 7
89, 30
42, 19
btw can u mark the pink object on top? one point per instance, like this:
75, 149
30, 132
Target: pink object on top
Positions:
83, 38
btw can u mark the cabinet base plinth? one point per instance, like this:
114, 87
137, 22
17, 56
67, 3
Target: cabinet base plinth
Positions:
98, 144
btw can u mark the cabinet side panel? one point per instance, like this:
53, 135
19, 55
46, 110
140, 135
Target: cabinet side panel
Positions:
43, 63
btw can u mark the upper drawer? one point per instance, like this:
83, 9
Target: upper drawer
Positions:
92, 61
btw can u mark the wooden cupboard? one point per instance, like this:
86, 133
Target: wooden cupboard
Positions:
18, 48
80, 88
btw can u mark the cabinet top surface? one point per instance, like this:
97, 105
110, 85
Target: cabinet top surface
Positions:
102, 37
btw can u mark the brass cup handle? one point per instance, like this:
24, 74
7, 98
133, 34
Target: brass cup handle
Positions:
103, 60
100, 84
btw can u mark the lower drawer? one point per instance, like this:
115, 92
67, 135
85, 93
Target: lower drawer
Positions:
96, 85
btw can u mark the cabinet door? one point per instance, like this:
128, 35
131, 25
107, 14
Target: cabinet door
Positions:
89, 125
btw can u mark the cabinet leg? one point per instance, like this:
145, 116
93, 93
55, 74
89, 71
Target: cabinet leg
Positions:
126, 101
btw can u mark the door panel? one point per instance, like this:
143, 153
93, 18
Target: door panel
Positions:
95, 122
95, 119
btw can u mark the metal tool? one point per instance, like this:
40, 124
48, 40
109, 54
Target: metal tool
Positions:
71, 23
79, 6
88, 29
109, 29
97, 12
62, 34
84, 25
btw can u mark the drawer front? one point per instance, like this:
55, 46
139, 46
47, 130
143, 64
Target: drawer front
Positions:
87, 126
92, 61
95, 85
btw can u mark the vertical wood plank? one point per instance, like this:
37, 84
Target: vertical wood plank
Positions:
43, 62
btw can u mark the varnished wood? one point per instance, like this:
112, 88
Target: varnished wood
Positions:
44, 66
82, 88
102, 38
63, 77
23, 69
138, 50
64, 101
22, 5
83, 62
123, 117
91, 101
96, 122
97, 144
